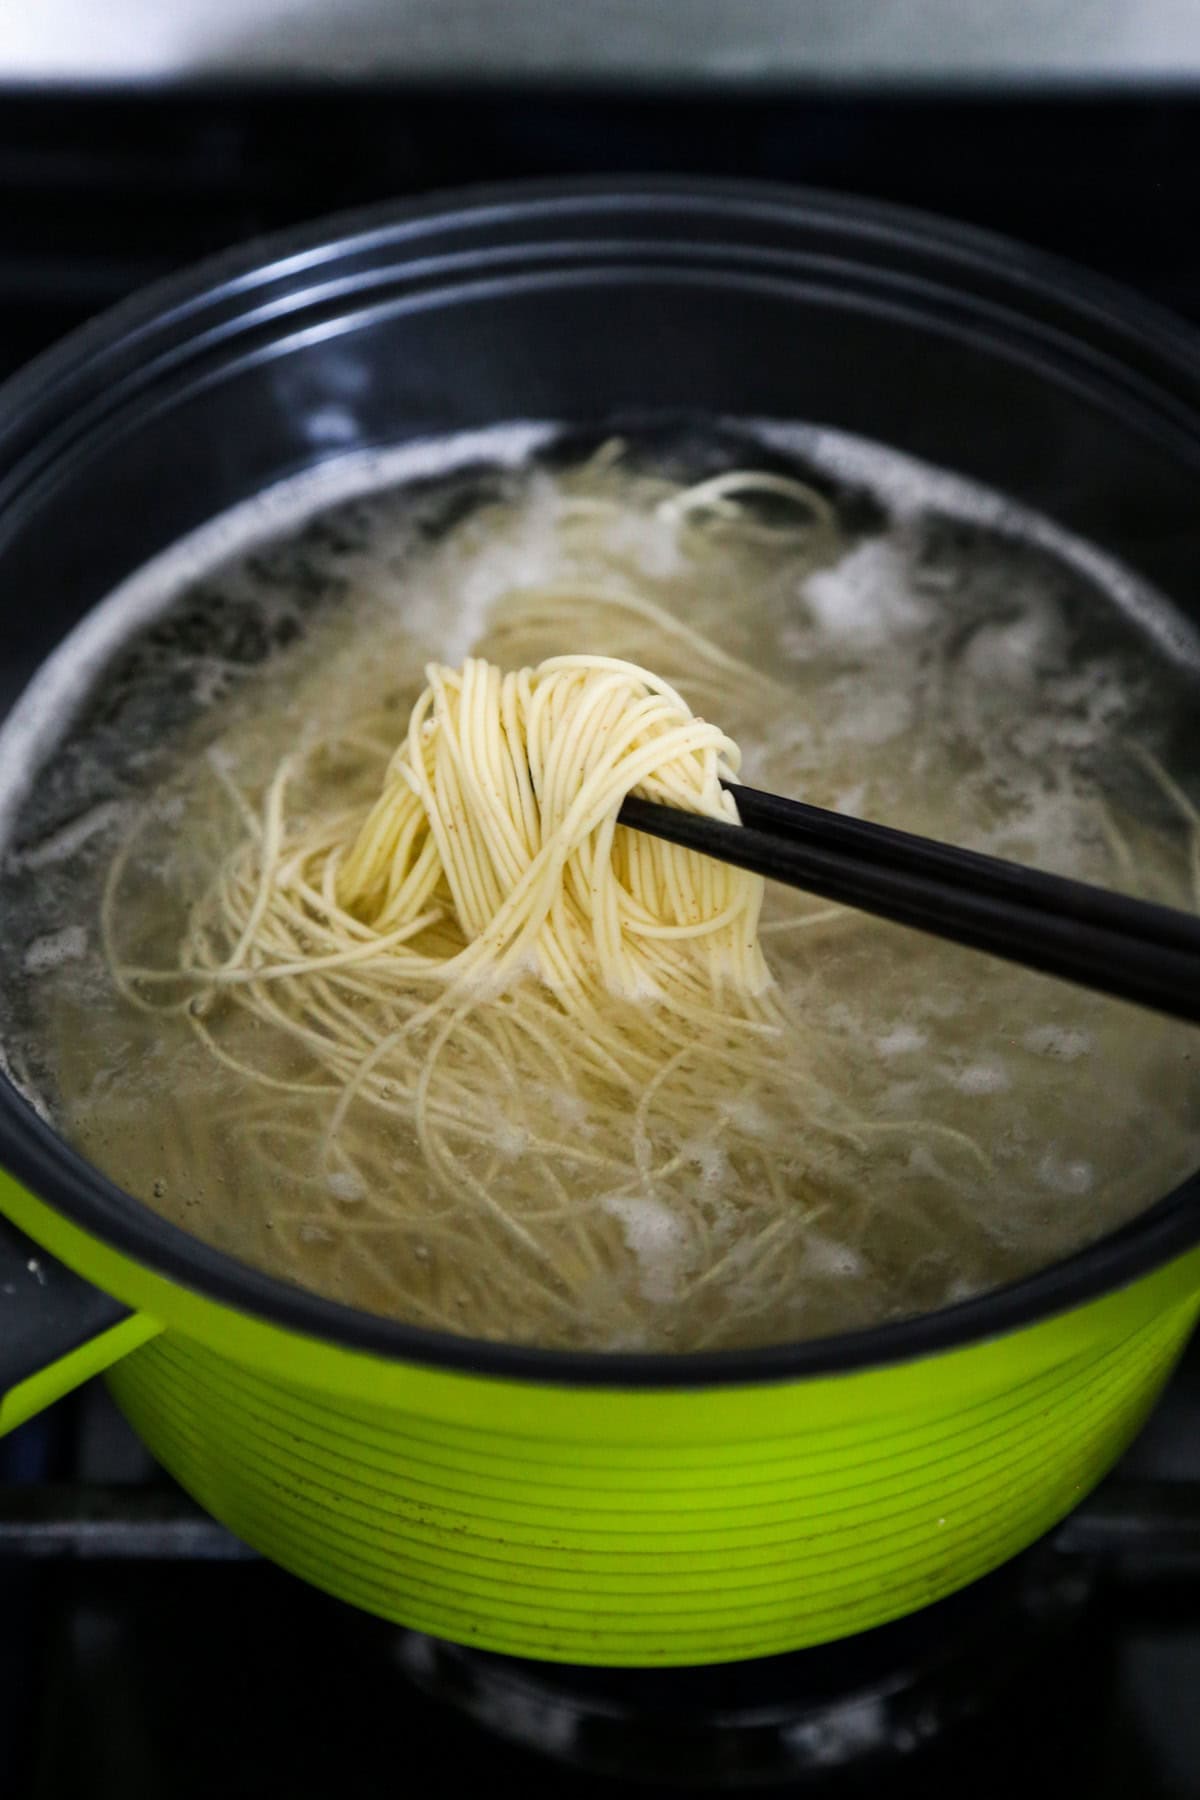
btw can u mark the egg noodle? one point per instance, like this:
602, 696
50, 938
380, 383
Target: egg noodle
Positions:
571, 1024
450, 1043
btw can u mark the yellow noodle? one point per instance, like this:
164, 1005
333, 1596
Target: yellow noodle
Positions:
466, 1051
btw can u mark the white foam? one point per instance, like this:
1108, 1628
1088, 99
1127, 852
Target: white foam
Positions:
747, 1117
346, 1185
709, 1161
56, 948
890, 714
1065, 1175
865, 601
568, 1107
456, 608
1063, 1042
508, 1139
851, 799
901, 1040
37, 722
658, 1239
981, 1078
647, 540
1047, 828
1011, 654
909, 488
59, 846
825, 1257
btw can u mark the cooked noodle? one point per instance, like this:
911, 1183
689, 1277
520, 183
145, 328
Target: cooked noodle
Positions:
417, 1024
488, 907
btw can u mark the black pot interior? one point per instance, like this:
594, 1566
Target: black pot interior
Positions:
967, 353
580, 304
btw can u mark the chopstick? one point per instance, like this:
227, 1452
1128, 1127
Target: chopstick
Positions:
1133, 949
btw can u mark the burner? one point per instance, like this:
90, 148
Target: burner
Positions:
848, 1705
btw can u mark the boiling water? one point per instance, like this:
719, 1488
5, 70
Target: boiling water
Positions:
926, 656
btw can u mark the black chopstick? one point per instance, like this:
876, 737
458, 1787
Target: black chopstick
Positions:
1133, 949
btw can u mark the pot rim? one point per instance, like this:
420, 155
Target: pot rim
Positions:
38, 1156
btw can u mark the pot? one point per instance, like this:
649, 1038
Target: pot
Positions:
619, 1509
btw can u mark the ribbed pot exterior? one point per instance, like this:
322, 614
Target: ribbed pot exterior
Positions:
676, 1540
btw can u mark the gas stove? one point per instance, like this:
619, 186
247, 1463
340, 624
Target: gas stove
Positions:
143, 1650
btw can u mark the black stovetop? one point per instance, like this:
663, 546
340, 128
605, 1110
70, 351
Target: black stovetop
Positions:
145, 1653
140, 1653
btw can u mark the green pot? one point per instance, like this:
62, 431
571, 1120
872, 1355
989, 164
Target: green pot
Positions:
596, 1509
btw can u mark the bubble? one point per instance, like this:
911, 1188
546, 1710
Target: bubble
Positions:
657, 1237
865, 600
56, 948
711, 1162
981, 1078
1065, 1175
346, 1185
901, 1040
316, 1234
886, 718
825, 1256
1010, 654
62, 845
747, 1117
1065, 1043
567, 1106
510, 1139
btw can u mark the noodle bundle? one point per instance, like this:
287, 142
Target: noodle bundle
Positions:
502, 925
503, 801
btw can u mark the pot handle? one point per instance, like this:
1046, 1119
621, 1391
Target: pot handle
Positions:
56, 1330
